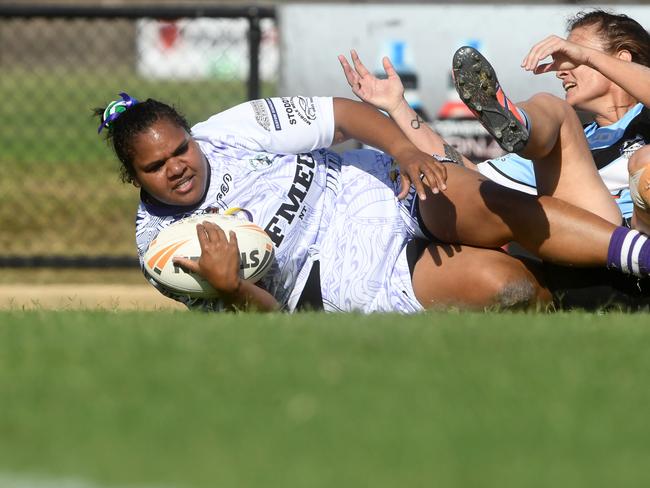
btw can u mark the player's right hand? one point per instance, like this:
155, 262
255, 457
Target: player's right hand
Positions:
416, 167
566, 55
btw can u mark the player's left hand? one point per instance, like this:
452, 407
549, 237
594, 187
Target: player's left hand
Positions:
385, 94
417, 167
566, 55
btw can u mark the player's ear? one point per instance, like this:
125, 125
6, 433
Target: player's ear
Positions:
136, 183
624, 54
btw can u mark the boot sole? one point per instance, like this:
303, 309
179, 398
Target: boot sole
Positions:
476, 83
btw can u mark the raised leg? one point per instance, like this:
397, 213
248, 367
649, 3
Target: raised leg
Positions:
544, 129
564, 166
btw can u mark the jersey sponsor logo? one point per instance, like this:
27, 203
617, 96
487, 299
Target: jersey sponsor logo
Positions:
301, 107
288, 210
306, 109
261, 161
274, 114
261, 115
630, 146
290, 109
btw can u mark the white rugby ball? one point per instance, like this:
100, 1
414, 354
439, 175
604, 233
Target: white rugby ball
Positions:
256, 253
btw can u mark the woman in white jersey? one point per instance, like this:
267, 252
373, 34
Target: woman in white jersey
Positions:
349, 217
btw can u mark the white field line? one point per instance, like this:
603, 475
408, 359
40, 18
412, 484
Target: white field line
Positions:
34, 481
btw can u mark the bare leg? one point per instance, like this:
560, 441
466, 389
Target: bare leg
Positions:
555, 141
440, 279
478, 212
564, 166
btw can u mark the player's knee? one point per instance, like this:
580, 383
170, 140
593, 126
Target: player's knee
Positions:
548, 101
508, 291
516, 294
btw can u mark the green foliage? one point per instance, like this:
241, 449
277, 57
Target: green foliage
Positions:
197, 400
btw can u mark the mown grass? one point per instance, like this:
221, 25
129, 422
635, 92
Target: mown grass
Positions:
60, 192
195, 400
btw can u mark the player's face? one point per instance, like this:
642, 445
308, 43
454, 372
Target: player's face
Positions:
169, 165
586, 88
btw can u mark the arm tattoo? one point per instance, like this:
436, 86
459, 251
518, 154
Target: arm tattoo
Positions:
416, 122
453, 154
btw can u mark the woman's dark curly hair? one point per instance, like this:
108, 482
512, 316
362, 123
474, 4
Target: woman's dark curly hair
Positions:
135, 120
618, 32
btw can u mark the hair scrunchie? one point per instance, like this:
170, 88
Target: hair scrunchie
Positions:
114, 109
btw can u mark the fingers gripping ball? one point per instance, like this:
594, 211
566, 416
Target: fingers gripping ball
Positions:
256, 253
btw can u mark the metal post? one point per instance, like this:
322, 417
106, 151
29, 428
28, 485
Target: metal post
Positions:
254, 41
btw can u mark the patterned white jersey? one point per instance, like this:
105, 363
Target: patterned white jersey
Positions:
267, 157
611, 147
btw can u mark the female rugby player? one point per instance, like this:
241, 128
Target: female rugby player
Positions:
604, 67
343, 222
553, 158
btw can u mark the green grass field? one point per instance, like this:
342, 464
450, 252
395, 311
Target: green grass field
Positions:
312, 400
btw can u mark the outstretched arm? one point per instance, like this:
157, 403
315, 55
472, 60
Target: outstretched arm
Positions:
388, 95
364, 123
632, 77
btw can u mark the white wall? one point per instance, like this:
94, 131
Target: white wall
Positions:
312, 36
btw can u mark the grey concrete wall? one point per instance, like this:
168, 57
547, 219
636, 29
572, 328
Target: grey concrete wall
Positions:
313, 35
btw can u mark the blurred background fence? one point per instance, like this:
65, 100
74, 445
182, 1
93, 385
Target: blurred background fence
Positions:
61, 200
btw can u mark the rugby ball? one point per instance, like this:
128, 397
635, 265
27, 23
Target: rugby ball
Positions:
256, 253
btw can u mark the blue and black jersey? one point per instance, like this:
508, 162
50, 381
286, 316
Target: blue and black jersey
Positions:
611, 147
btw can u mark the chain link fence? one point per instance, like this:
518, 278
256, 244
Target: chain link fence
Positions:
61, 199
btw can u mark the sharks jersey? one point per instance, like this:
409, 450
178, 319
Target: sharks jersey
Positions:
267, 158
611, 147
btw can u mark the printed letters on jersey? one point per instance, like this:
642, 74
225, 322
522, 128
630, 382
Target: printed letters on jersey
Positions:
285, 214
301, 107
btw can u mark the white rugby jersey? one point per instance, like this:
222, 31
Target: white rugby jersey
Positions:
267, 156
611, 147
